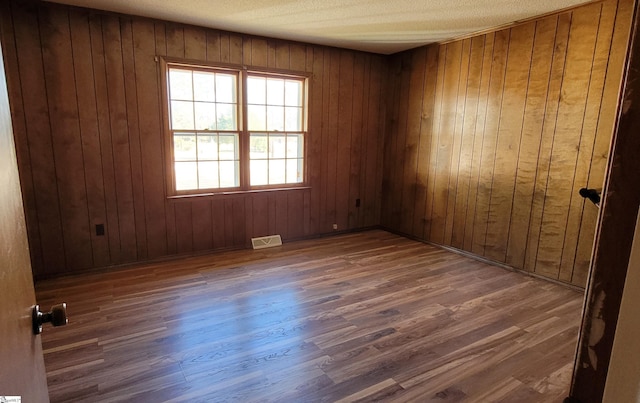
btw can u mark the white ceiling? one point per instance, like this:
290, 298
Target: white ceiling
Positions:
380, 26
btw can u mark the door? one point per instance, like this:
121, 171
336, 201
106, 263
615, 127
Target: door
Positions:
22, 370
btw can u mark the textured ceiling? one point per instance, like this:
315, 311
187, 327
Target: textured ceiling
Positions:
380, 26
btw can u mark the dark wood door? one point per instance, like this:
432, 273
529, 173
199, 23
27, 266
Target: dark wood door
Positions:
22, 370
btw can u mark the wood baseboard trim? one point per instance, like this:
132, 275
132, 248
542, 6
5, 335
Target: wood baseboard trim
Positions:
485, 260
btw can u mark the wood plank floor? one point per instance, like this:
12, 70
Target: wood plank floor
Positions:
360, 317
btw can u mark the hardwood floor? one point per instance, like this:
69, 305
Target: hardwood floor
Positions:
360, 317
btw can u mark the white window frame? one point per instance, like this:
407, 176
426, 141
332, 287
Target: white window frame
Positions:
244, 134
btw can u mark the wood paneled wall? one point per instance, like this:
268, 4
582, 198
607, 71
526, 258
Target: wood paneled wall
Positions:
490, 138
85, 95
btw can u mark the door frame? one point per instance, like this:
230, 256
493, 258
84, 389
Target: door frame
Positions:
614, 237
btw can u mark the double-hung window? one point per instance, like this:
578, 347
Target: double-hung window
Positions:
231, 129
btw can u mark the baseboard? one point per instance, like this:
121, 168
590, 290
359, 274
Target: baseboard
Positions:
485, 260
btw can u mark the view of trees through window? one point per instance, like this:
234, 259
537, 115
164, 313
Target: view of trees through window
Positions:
207, 129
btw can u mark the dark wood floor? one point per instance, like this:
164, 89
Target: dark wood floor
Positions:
360, 317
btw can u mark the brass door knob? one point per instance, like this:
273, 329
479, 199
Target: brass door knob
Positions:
57, 317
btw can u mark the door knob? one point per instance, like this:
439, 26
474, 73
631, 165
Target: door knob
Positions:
57, 317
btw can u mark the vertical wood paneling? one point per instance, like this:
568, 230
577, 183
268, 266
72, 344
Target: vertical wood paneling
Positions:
489, 140
389, 181
585, 153
20, 126
575, 85
116, 100
112, 223
446, 141
314, 140
483, 142
89, 136
57, 56
458, 122
522, 119
434, 134
297, 57
295, 214
169, 208
424, 137
135, 151
356, 141
400, 142
473, 58
218, 223
260, 209
235, 49
87, 89
213, 46
411, 145
485, 60
606, 120
258, 52
546, 142
332, 65
344, 135
239, 227
508, 140
144, 40
534, 113
372, 198
225, 47
364, 122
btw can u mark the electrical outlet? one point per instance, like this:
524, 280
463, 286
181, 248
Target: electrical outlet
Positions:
335, 226
99, 229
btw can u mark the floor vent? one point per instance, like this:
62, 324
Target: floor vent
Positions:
266, 241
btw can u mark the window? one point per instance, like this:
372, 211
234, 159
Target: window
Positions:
233, 130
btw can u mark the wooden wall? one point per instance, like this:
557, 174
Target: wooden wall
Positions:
85, 97
490, 138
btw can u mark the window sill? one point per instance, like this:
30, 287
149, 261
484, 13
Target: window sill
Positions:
233, 193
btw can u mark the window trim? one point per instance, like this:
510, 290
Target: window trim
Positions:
243, 133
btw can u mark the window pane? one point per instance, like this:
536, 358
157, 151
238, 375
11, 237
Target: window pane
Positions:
256, 118
229, 174
294, 146
208, 174
186, 175
275, 91
294, 170
226, 88
277, 146
293, 119
275, 118
276, 171
226, 117
204, 86
228, 147
203, 119
293, 93
180, 86
205, 115
259, 172
182, 115
184, 147
256, 90
258, 147
207, 147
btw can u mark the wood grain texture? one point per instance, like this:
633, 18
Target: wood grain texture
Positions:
87, 96
616, 227
23, 373
522, 119
360, 317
